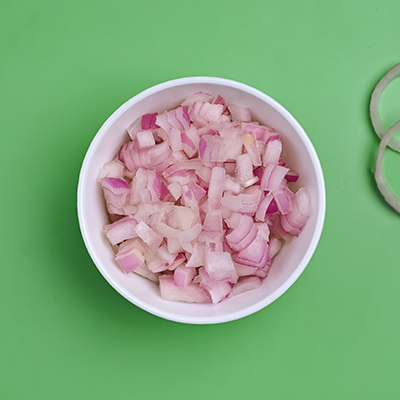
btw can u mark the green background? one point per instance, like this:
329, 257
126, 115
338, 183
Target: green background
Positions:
65, 333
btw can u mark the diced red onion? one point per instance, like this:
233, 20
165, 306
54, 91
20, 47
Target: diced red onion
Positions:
117, 195
246, 283
190, 234
213, 221
294, 221
272, 135
121, 230
263, 207
273, 177
192, 293
133, 128
219, 100
256, 254
198, 256
282, 201
179, 260
219, 265
244, 168
145, 139
250, 143
240, 113
217, 290
112, 169
148, 121
292, 176
198, 96
151, 238
185, 194
241, 236
183, 276
144, 271
216, 187
130, 256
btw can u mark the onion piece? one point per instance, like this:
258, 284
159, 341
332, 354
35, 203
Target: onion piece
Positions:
256, 254
198, 96
246, 283
112, 169
117, 195
217, 290
272, 177
198, 256
213, 221
183, 276
263, 207
243, 235
381, 182
144, 271
121, 230
151, 238
179, 260
250, 143
219, 265
216, 187
380, 130
272, 151
190, 234
148, 121
240, 113
130, 255
192, 293
145, 139
244, 168
134, 127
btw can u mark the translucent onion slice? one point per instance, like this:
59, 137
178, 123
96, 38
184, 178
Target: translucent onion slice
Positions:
392, 74
381, 182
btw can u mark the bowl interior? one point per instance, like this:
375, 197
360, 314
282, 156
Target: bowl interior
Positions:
298, 152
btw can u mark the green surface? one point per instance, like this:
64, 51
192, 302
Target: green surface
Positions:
65, 333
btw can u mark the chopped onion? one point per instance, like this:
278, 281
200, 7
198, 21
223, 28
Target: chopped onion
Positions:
145, 139
219, 265
199, 200
380, 130
192, 293
183, 276
130, 256
121, 230
246, 283
148, 121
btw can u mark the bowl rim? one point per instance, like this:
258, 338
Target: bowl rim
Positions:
215, 319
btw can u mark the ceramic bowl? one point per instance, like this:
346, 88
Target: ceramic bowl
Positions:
298, 152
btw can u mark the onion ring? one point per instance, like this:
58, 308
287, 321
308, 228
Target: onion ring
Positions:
380, 130
383, 186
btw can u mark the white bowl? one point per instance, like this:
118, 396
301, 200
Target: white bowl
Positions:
298, 152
